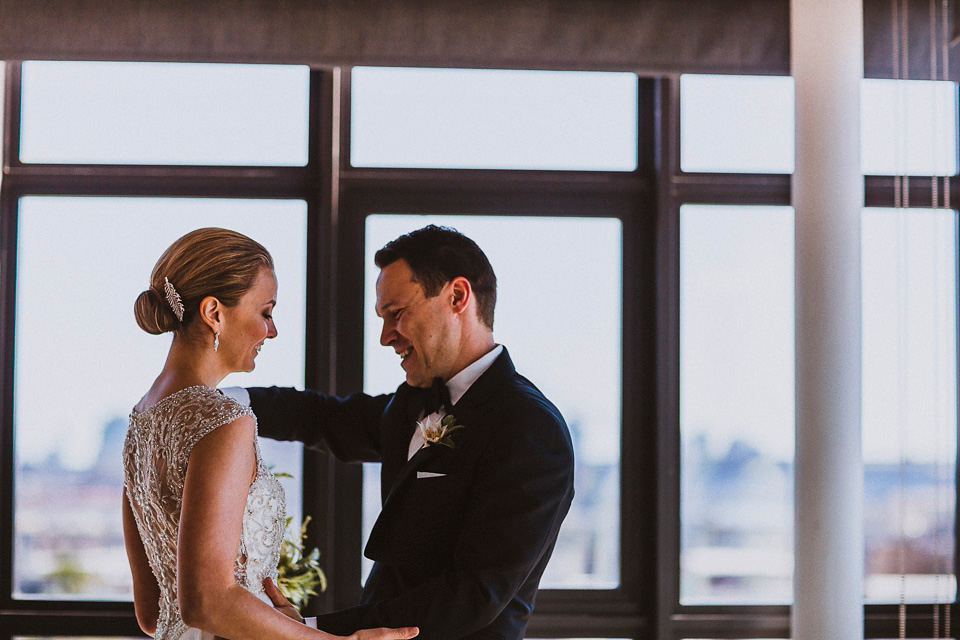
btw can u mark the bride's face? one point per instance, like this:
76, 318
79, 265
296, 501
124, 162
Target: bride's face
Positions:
249, 323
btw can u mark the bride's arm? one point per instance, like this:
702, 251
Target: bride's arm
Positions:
218, 477
146, 592
220, 470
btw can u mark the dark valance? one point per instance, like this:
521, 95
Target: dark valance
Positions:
715, 36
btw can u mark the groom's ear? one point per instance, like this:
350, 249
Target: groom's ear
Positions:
460, 294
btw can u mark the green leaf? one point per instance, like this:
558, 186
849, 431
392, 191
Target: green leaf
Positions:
448, 420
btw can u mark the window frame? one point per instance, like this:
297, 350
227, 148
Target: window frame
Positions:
744, 621
339, 197
364, 191
93, 617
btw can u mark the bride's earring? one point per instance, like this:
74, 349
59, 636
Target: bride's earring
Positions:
216, 341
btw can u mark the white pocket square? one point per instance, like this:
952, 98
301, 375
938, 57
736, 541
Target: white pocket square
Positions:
430, 474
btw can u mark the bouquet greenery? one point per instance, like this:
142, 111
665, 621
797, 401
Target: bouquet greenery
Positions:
299, 575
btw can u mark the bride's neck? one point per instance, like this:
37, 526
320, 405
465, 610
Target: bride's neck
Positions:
190, 364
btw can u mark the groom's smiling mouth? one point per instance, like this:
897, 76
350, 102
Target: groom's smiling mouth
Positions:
406, 352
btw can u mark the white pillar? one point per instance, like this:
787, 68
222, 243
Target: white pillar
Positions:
826, 60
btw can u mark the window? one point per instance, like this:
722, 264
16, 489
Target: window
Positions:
736, 404
908, 127
909, 402
74, 262
493, 119
641, 228
127, 125
162, 113
736, 124
735, 242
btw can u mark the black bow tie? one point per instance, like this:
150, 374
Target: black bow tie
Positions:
433, 398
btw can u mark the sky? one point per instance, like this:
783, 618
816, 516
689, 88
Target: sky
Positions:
84, 260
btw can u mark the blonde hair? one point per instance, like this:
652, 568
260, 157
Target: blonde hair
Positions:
206, 262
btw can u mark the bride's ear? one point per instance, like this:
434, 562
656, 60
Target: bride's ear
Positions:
211, 313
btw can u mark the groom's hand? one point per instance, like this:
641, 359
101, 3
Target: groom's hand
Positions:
385, 634
280, 603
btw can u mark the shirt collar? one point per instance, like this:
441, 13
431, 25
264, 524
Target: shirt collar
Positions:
458, 384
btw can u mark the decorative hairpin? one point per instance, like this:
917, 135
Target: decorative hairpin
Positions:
174, 299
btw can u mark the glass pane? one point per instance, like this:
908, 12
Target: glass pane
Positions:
481, 119
736, 124
736, 404
571, 256
908, 127
909, 260
81, 264
164, 113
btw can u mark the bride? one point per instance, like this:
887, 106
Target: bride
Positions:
203, 538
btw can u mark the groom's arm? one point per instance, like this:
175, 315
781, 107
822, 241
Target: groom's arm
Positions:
347, 427
523, 492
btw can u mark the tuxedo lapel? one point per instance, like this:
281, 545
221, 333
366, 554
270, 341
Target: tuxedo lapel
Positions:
407, 471
399, 422
393, 495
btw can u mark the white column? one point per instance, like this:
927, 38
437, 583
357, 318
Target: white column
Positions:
827, 64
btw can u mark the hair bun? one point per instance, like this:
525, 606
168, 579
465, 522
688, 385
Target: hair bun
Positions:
153, 314
210, 261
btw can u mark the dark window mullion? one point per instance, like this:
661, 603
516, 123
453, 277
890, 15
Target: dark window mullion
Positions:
879, 191
164, 181
11, 115
732, 188
8, 262
8, 239
668, 362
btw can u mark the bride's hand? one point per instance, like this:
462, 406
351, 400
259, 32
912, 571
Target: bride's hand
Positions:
385, 634
280, 603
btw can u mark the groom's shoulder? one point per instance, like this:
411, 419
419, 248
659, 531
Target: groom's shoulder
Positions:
523, 398
526, 419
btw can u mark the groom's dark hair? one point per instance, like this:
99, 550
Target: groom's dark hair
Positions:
436, 256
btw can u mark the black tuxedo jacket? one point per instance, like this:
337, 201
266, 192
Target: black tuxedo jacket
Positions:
459, 555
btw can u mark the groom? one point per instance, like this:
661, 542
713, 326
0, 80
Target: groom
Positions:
473, 496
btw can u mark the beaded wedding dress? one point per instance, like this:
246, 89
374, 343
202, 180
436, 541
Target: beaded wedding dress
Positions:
155, 455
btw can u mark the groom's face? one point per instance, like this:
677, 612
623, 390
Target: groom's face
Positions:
420, 330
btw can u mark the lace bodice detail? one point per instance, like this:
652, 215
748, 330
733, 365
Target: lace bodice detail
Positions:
155, 455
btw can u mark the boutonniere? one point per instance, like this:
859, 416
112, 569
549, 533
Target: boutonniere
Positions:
437, 430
